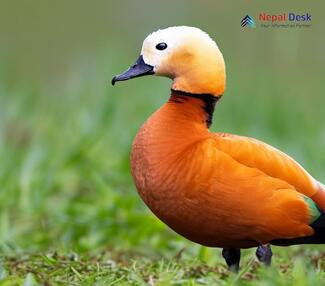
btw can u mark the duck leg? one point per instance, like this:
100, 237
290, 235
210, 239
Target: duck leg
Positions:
264, 254
232, 257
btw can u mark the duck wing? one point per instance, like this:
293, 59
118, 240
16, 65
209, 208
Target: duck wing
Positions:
271, 161
277, 165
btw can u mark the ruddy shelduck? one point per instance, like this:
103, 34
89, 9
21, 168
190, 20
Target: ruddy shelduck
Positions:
216, 189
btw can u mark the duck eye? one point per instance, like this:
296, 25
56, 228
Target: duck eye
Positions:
161, 46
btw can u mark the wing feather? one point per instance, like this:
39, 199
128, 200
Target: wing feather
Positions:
256, 154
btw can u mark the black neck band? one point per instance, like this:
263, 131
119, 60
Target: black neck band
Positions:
209, 100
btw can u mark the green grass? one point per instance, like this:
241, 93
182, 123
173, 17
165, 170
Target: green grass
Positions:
126, 268
69, 213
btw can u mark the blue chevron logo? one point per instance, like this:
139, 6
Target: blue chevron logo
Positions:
248, 21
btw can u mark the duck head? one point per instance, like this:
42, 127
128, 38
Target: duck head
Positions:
187, 55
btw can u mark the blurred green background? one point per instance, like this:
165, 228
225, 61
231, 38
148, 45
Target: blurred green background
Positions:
65, 132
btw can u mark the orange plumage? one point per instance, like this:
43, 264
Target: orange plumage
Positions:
215, 189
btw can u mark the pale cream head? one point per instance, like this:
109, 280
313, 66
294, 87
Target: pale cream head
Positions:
189, 57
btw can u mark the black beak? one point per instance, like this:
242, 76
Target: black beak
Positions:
140, 68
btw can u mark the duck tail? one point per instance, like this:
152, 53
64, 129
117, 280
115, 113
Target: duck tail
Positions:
317, 223
319, 230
